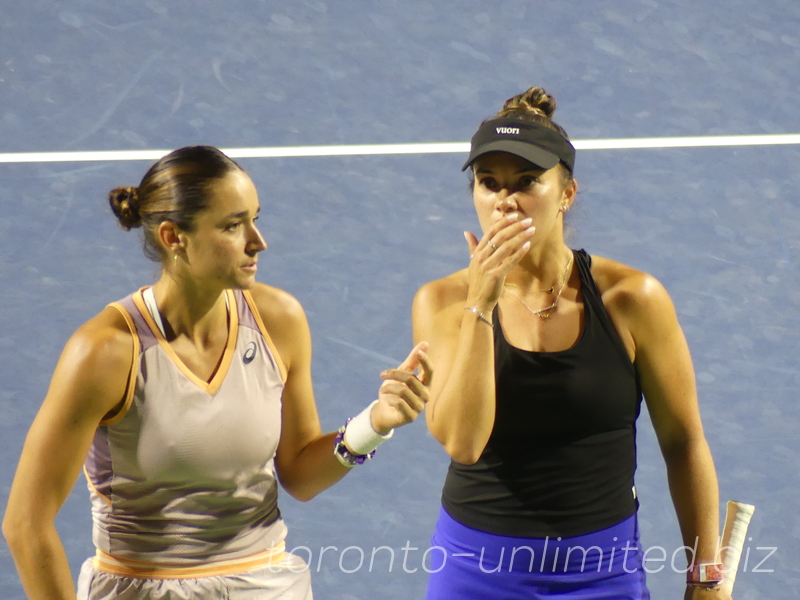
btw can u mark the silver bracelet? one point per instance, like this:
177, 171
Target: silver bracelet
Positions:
474, 309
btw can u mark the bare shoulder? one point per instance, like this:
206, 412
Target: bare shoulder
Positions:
437, 310
106, 338
440, 294
93, 371
637, 303
625, 288
286, 323
276, 305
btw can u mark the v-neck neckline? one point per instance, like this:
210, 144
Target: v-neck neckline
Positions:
212, 385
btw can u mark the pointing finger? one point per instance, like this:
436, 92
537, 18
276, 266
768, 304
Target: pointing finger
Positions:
426, 369
412, 360
409, 380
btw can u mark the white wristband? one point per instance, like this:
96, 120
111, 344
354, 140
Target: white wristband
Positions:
359, 436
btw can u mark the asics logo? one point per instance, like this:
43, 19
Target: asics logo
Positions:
508, 130
249, 353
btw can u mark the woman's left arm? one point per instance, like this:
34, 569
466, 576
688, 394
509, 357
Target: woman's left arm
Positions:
665, 367
305, 462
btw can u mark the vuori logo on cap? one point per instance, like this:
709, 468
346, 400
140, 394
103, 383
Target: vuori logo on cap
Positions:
512, 130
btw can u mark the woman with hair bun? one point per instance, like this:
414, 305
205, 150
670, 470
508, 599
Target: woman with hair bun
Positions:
185, 404
543, 355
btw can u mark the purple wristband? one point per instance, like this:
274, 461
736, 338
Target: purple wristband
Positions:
347, 458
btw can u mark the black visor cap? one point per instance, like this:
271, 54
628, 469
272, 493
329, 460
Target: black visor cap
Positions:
531, 141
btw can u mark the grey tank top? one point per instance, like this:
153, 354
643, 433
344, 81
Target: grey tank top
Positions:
183, 474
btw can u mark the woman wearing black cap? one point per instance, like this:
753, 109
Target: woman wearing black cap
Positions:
543, 355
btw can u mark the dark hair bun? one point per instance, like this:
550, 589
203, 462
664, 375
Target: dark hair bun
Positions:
124, 202
535, 100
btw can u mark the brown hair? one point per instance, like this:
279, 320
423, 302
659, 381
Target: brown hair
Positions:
175, 189
535, 105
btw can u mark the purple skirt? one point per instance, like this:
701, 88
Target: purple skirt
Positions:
467, 564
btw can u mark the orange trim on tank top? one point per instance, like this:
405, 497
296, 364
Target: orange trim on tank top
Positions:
134, 368
103, 497
210, 387
146, 570
260, 322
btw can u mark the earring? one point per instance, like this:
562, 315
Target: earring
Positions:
564, 208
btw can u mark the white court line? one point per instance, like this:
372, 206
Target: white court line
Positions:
382, 149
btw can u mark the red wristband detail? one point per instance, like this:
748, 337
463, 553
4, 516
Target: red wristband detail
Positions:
709, 573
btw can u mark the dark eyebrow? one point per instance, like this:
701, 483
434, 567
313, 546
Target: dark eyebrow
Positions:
242, 215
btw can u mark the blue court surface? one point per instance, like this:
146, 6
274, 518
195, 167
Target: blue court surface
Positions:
353, 237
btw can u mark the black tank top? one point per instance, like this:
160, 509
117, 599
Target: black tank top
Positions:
561, 457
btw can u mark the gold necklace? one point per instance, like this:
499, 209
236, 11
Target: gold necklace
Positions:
547, 311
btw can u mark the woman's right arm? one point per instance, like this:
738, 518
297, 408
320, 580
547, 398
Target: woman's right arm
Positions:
461, 411
90, 379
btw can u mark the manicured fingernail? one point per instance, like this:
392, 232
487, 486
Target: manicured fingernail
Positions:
512, 216
530, 230
526, 222
526, 245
